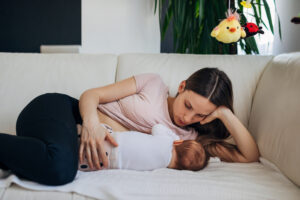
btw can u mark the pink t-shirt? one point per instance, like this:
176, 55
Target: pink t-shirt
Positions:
149, 106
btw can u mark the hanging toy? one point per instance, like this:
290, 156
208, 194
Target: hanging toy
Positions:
246, 4
252, 29
296, 20
229, 30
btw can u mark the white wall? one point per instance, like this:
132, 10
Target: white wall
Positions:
119, 26
287, 9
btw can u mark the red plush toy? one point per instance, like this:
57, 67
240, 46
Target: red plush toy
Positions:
252, 29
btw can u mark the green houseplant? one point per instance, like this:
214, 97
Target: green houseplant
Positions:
193, 20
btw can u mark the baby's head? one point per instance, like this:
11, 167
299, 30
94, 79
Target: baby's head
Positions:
188, 155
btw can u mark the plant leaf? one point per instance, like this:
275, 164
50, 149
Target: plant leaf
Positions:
193, 20
267, 9
257, 17
279, 23
279, 28
167, 20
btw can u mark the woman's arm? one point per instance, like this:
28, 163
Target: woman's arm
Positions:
248, 150
93, 135
90, 99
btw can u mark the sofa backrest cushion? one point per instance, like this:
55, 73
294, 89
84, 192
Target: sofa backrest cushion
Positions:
25, 76
244, 72
275, 115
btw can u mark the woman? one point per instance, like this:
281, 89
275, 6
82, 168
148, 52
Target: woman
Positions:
47, 138
205, 96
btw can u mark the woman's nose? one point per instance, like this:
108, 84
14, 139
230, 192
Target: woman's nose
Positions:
188, 118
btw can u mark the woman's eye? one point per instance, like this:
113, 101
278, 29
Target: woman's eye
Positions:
188, 107
199, 115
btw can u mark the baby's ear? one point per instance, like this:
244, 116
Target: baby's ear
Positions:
177, 142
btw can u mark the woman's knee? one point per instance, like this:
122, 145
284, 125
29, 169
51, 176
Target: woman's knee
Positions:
51, 98
58, 173
45, 106
42, 102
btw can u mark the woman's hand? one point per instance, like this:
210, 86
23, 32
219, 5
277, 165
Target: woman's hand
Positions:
93, 136
215, 114
247, 147
228, 155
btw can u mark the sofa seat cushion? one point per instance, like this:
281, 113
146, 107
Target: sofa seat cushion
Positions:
220, 180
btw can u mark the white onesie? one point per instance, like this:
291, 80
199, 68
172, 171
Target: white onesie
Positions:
140, 151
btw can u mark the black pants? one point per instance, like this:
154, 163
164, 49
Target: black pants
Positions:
45, 149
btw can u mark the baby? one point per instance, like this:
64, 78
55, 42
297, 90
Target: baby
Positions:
161, 149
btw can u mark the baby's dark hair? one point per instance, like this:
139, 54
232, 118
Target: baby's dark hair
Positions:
190, 155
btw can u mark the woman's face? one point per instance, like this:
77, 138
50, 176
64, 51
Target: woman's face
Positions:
190, 107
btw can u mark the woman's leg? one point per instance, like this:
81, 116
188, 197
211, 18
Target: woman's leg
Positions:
45, 149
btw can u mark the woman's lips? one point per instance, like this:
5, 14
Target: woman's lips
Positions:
181, 122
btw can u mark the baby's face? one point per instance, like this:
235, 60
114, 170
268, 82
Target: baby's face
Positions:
173, 159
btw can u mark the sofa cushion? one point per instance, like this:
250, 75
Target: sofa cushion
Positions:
244, 72
25, 76
219, 180
274, 118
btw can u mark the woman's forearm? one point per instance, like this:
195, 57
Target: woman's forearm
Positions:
93, 134
88, 103
244, 140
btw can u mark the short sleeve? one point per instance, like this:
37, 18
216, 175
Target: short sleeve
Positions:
149, 82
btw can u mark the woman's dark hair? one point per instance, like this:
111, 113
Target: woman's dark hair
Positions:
215, 85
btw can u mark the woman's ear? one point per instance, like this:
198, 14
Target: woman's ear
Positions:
181, 87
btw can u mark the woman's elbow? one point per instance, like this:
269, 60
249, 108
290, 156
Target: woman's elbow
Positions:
254, 158
87, 94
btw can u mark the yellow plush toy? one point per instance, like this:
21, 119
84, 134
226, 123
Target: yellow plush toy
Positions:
229, 30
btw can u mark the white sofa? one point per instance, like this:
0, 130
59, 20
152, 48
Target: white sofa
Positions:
266, 99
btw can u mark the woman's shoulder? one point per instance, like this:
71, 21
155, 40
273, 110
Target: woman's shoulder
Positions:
148, 81
148, 76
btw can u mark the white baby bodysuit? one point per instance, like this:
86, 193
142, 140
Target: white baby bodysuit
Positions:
140, 151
